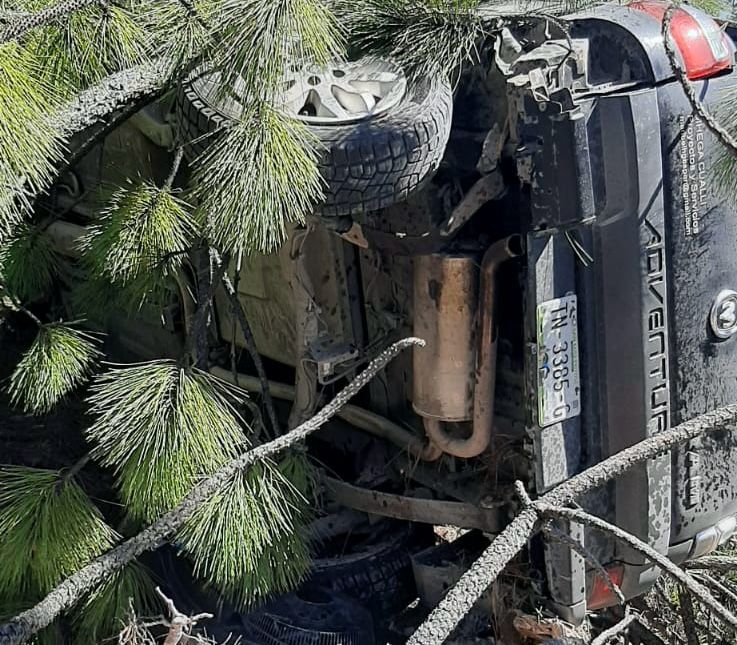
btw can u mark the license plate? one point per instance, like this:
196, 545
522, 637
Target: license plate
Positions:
558, 391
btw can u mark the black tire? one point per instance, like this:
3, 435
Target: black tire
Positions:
368, 165
378, 574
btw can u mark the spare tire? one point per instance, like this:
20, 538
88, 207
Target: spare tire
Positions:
376, 149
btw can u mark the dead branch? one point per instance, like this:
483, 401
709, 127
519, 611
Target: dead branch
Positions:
615, 630
686, 580
71, 590
134, 631
459, 600
179, 624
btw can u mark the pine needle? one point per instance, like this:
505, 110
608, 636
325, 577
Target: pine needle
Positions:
260, 175
89, 45
161, 427
258, 39
29, 263
48, 530
428, 38
723, 169
182, 29
248, 540
28, 143
106, 609
59, 360
139, 241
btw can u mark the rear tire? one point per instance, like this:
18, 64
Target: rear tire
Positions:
366, 166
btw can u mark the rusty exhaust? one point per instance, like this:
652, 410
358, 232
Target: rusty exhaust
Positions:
484, 359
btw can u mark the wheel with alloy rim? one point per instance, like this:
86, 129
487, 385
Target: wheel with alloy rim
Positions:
381, 137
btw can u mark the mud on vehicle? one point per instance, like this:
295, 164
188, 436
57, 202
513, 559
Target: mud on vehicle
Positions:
548, 226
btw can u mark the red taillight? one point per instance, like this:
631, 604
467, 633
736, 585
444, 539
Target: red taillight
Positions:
706, 50
601, 594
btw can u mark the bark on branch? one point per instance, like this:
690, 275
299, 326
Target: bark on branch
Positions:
19, 26
459, 600
71, 590
94, 105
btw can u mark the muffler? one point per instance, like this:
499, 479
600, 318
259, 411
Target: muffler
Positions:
455, 374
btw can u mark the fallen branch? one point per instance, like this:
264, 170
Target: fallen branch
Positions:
717, 586
71, 590
474, 582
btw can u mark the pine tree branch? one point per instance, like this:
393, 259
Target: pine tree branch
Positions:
71, 590
21, 25
70, 473
176, 163
15, 305
474, 582
93, 106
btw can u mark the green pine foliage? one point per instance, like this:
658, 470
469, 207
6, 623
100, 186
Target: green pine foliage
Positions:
255, 179
59, 360
426, 37
103, 612
248, 540
91, 44
49, 529
28, 143
29, 263
140, 239
258, 40
183, 30
161, 427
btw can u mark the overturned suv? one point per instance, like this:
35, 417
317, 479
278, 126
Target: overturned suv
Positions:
550, 228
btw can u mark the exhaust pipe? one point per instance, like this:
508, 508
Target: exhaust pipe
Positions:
484, 374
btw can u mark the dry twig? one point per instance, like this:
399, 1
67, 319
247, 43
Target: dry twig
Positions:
179, 624
615, 630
